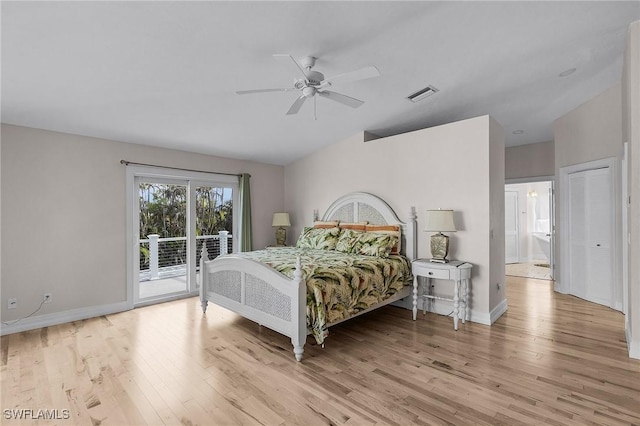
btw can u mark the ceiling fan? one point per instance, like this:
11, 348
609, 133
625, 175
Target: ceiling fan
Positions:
313, 83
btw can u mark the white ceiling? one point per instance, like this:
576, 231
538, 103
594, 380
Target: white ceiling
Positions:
165, 73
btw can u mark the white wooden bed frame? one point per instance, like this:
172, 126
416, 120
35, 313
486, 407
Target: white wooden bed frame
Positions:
260, 293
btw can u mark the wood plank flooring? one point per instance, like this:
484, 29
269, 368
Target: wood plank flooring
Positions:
551, 359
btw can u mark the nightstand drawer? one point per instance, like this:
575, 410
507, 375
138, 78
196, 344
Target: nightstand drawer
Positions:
442, 275
426, 271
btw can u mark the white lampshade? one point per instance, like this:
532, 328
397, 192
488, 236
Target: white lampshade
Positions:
281, 219
440, 221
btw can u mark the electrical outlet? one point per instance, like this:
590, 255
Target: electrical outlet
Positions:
12, 303
47, 297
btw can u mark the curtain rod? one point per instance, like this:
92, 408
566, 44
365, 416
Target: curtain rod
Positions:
126, 163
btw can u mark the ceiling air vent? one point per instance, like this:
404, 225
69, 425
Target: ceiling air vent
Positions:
423, 93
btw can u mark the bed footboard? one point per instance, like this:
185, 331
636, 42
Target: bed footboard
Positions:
257, 292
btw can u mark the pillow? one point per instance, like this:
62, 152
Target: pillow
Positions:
321, 224
388, 230
347, 240
318, 238
372, 244
360, 226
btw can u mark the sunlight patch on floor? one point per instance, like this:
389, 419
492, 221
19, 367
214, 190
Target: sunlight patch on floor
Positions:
528, 270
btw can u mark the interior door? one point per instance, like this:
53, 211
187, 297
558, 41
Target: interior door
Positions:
552, 230
511, 231
590, 235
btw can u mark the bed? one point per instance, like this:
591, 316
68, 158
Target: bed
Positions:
297, 291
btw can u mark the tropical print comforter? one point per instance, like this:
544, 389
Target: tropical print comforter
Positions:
339, 285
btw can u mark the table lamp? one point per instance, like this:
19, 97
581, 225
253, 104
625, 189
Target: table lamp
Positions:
281, 220
439, 221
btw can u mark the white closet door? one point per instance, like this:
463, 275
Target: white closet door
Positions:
600, 204
511, 233
590, 228
578, 261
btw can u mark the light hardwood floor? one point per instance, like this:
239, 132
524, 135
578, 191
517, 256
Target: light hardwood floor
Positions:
550, 359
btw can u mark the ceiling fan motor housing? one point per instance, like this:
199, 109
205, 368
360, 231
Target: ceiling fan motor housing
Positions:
314, 78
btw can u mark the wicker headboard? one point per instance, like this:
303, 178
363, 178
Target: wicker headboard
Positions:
361, 206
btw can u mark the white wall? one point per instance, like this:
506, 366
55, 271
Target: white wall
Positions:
63, 215
593, 131
531, 160
631, 134
590, 132
458, 166
496, 287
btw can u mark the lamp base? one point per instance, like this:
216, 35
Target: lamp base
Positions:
281, 236
439, 248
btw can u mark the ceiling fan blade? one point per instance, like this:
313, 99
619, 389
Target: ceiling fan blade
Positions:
247, 92
361, 74
286, 55
297, 105
343, 99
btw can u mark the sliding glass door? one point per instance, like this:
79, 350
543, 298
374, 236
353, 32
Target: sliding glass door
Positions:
213, 222
162, 239
172, 218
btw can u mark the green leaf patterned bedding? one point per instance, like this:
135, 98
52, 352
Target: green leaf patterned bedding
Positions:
339, 285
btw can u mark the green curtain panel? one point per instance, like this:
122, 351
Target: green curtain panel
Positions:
245, 213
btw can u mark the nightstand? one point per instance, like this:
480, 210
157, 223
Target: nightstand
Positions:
458, 272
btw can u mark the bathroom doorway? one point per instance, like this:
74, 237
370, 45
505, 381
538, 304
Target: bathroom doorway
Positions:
529, 217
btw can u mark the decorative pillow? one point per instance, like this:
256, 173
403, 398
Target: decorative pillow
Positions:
372, 244
388, 230
321, 224
318, 238
347, 240
360, 226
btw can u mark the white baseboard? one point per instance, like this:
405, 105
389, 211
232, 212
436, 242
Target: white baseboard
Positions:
634, 347
558, 287
617, 306
497, 312
48, 320
445, 307
440, 307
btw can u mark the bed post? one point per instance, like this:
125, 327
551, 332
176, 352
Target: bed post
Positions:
412, 235
203, 277
299, 313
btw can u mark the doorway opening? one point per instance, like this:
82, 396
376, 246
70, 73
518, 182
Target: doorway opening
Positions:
529, 229
171, 215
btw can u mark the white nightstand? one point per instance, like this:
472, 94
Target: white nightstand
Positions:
456, 271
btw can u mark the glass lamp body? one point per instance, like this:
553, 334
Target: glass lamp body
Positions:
281, 236
439, 248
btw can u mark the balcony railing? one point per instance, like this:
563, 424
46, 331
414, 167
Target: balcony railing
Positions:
167, 257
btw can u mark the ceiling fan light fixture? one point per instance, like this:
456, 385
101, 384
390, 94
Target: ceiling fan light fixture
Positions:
423, 93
